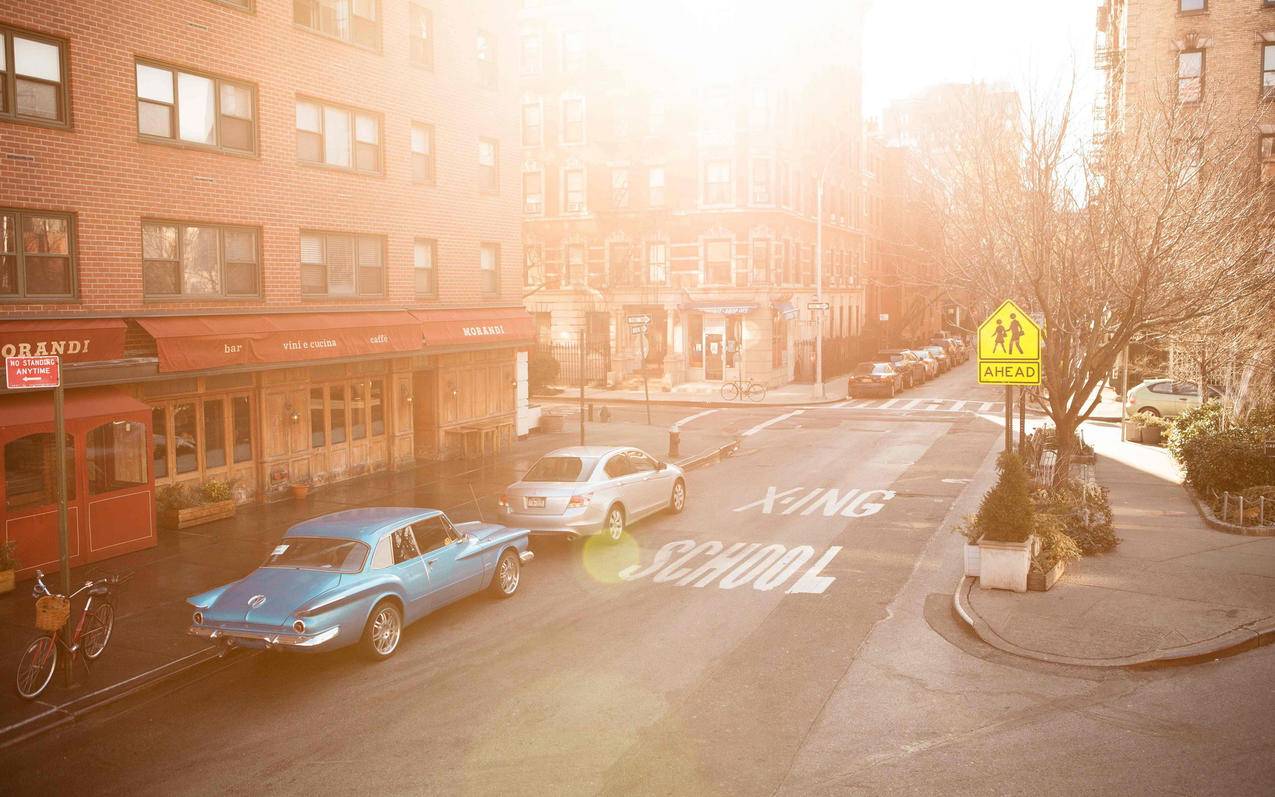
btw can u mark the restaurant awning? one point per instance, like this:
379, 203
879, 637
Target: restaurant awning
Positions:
36, 407
786, 310
479, 325
196, 343
75, 340
719, 308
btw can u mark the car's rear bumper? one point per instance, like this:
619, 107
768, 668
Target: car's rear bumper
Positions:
268, 640
870, 387
577, 524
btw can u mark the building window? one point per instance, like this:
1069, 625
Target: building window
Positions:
759, 109
1268, 71
424, 255
761, 181
489, 267
717, 182
620, 188
532, 59
532, 124
32, 77
655, 115
488, 166
533, 274
242, 5
337, 264
657, 263
761, 262
575, 264
37, 255
1186, 6
655, 186
622, 265
573, 120
353, 21
717, 259
199, 260
573, 191
533, 196
572, 50
175, 105
485, 46
1190, 76
420, 35
341, 137
29, 463
423, 154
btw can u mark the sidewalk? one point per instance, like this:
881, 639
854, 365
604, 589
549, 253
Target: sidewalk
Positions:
149, 640
1174, 589
709, 394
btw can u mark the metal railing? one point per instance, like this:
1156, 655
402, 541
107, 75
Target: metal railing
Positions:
1233, 508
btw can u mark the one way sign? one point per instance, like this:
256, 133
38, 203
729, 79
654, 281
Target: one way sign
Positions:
25, 373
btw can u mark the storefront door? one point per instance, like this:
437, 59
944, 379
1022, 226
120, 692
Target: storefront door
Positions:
714, 352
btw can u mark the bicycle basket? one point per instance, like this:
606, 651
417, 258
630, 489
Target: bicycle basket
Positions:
51, 612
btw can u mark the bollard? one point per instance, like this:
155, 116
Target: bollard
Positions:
674, 441
604, 414
590, 412
1261, 510
1226, 507
1241, 510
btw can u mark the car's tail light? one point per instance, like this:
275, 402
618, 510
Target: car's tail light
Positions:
503, 502
299, 627
578, 501
198, 618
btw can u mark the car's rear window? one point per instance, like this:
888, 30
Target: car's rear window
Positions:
863, 369
319, 553
560, 469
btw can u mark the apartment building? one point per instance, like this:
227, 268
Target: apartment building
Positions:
274, 243
653, 190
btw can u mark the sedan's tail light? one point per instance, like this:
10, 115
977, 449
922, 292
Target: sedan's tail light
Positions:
198, 618
578, 501
503, 502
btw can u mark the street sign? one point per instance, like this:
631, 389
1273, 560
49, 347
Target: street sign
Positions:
25, 373
1009, 348
639, 319
638, 329
883, 317
818, 306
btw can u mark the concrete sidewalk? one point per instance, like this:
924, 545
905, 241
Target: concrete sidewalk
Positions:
149, 641
1173, 590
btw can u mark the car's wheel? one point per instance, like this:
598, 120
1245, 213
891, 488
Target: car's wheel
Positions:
613, 526
1150, 411
677, 501
508, 573
383, 631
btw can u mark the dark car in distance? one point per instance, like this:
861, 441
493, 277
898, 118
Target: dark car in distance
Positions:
906, 363
874, 377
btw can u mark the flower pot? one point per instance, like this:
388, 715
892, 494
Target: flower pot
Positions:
1004, 565
1151, 435
1132, 432
196, 515
972, 559
6, 581
300, 491
1041, 581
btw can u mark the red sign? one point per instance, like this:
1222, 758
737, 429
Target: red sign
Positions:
32, 372
74, 340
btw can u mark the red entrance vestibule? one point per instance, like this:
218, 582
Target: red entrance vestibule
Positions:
110, 493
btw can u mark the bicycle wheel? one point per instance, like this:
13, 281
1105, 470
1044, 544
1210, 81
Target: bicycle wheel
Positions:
756, 391
730, 391
98, 625
35, 670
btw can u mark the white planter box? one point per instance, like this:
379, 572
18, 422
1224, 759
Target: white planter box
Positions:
1004, 565
971, 559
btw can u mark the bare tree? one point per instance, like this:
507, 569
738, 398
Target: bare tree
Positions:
1163, 227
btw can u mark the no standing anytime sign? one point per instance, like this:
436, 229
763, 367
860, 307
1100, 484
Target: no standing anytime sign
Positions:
25, 373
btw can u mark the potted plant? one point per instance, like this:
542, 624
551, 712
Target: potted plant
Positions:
1133, 427
969, 530
1154, 428
301, 488
8, 563
1056, 549
181, 507
1005, 522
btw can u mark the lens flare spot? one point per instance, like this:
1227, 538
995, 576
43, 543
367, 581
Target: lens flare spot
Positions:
603, 559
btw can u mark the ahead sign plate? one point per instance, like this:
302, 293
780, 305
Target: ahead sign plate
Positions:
1009, 348
25, 373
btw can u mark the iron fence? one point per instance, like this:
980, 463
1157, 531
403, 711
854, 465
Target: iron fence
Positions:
840, 355
566, 355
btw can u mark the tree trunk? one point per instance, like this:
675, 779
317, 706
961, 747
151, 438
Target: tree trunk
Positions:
1065, 429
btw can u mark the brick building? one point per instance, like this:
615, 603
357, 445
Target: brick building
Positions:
651, 188
285, 233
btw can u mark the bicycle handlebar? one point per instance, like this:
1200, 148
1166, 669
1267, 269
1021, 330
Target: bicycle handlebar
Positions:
40, 589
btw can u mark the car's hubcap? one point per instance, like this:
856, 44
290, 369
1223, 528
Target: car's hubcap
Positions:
679, 496
508, 575
385, 631
617, 524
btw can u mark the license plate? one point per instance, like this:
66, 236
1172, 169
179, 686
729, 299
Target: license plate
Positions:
534, 502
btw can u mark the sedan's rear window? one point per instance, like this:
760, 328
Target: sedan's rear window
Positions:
863, 369
319, 553
560, 469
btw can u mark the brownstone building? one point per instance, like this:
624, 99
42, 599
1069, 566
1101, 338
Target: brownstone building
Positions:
286, 233
651, 188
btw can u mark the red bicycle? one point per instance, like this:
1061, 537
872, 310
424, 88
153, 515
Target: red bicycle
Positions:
92, 632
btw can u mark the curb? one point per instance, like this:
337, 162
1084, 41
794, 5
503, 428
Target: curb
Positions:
78, 707
1221, 525
709, 457
1235, 641
706, 403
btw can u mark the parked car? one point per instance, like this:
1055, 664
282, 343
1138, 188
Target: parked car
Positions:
944, 359
906, 363
1165, 397
878, 377
931, 363
585, 490
360, 576
955, 348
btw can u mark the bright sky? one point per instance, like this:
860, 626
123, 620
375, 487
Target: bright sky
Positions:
910, 44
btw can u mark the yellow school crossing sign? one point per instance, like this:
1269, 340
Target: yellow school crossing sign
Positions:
1009, 348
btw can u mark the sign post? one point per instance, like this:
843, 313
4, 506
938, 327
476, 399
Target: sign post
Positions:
43, 373
1009, 354
638, 326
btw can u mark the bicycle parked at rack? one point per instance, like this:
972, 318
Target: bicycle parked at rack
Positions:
92, 631
739, 388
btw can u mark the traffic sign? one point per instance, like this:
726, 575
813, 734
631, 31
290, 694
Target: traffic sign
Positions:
639, 319
638, 329
818, 306
25, 373
1009, 348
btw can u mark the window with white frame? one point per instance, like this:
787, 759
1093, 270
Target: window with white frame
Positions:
717, 188
761, 181
655, 186
332, 135
423, 154
532, 56
485, 48
573, 191
342, 264
1268, 71
182, 106
532, 124
489, 268
1190, 76
424, 270
420, 34
353, 21
717, 262
533, 192
575, 264
573, 50
572, 120
488, 166
620, 188
657, 263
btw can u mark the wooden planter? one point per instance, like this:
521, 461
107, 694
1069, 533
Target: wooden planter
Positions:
196, 515
1151, 435
300, 491
1132, 432
1041, 582
551, 424
6, 581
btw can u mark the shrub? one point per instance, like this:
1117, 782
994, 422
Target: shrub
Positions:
172, 497
1084, 511
8, 561
542, 370
1006, 513
1194, 423
1231, 461
214, 491
1055, 544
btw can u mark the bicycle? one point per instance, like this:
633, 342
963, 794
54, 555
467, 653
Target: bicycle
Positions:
92, 631
737, 388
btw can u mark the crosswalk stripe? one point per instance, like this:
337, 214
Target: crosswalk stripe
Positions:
987, 406
889, 403
912, 404
690, 418
771, 422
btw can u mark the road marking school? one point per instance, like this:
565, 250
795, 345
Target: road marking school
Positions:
763, 567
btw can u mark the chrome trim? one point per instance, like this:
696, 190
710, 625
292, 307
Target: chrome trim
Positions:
526, 556
272, 640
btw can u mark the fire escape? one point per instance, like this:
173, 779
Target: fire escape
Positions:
1109, 58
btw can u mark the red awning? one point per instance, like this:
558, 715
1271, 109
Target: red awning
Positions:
196, 343
482, 325
24, 409
75, 340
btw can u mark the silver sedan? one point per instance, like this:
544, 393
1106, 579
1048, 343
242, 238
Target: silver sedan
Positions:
586, 490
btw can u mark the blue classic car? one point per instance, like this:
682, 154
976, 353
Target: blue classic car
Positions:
358, 577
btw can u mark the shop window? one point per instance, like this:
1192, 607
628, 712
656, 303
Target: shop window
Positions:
159, 431
734, 334
116, 456
189, 260
214, 434
695, 339
179, 106
32, 77
29, 471
185, 438
318, 422
376, 407
241, 428
352, 21
358, 425
336, 399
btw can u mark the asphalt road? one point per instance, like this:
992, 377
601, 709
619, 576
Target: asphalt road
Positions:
781, 635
